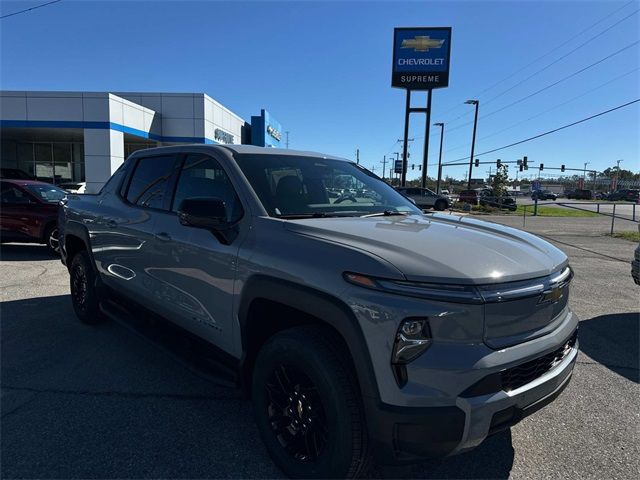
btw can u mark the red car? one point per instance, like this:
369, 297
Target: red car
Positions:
469, 196
29, 212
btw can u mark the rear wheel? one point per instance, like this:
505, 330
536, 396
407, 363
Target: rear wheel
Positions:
440, 205
307, 405
84, 296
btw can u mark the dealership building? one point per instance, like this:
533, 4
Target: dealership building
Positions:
65, 137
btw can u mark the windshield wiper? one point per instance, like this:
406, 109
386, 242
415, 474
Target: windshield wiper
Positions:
386, 213
293, 216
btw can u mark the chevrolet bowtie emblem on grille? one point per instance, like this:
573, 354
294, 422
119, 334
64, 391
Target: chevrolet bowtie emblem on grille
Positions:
421, 43
552, 295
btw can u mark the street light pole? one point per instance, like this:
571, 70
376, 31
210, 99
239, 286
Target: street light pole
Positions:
441, 125
473, 140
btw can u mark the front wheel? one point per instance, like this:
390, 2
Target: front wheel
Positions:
307, 405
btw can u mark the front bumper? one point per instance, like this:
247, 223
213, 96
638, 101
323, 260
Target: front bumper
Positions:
409, 434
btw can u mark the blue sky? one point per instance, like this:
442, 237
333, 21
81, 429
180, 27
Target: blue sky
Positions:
323, 69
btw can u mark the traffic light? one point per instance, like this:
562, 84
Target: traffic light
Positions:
413, 166
519, 161
521, 167
477, 163
420, 167
541, 166
524, 162
562, 168
498, 163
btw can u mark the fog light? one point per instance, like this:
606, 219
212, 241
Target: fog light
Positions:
412, 339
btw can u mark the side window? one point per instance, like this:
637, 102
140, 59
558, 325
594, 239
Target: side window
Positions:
149, 181
202, 176
11, 195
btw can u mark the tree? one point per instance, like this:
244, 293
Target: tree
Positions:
499, 181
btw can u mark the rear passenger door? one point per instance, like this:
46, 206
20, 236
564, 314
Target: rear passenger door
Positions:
196, 270
122, 240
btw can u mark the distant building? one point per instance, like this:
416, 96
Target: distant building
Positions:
85, 136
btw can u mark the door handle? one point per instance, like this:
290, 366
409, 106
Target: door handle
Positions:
164, 236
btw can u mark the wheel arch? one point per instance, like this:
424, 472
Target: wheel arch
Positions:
316, 307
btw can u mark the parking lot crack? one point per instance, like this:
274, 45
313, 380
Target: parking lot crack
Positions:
635, 369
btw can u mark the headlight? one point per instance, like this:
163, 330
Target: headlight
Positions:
431, 291
477, 294
412, 339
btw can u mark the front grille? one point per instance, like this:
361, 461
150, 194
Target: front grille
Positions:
516, 377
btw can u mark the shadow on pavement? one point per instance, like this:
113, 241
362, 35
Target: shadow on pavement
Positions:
25, 252
612, 340
492, 459
95, 402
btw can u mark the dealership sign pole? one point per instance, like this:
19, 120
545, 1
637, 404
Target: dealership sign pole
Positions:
420, 62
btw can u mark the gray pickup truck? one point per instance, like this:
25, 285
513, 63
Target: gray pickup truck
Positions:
360, 327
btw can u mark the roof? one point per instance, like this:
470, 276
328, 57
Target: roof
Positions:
238, 149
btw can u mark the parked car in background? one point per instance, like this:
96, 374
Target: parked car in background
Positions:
360, 329
580, 194
15, 174
425, 198
626, 194
29, 212
469, 196
543, 195
489, 199
76, 187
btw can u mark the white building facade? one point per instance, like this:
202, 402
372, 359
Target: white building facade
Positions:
65, 137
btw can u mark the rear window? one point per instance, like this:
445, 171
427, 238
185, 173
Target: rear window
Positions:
148, 184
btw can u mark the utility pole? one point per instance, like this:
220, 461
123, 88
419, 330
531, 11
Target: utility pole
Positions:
473, 140
441, 125
358, 156
287, 139
384, 164
405, 153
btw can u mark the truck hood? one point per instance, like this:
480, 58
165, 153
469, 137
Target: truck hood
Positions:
441, 248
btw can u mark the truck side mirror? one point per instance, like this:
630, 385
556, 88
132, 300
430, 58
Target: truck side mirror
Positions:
209, 213
203, 212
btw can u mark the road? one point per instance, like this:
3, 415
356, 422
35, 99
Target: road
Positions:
106, 401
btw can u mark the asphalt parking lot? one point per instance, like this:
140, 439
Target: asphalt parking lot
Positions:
106, 401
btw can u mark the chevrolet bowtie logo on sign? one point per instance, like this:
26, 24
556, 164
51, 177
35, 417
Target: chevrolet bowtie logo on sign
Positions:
421, 58
421, 43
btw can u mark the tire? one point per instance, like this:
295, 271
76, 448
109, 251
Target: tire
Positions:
440, 205
84, 296
51, 239
308, 407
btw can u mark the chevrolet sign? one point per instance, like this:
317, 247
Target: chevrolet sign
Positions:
421, 58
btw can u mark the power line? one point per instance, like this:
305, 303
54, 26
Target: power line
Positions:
29, 9
549, 132
547, 87
554, 49
560, 58
555, 107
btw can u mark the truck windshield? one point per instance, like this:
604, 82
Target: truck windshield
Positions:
290, 186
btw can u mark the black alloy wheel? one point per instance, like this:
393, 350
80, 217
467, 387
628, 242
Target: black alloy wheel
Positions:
296, 414
307, 404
